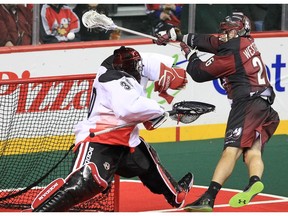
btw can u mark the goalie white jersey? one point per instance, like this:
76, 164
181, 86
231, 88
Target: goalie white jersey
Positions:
116, 99
152, 66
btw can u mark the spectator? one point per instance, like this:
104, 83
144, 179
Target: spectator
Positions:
15, 25
57, 20
96, 33
29, 6
164, 16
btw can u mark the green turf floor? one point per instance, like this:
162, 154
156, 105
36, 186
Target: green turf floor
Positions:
198, 157
201, 157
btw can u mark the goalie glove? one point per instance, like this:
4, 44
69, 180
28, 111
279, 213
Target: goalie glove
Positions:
173, 78
164, 37
156, 122
187, 51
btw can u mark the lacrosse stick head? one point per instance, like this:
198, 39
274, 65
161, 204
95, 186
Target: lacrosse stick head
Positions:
92, 19
189, 111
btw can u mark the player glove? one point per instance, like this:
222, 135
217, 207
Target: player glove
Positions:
156, 122
163, 37
170, 78
187, 51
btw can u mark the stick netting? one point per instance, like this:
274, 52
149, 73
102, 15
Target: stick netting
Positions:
36, 138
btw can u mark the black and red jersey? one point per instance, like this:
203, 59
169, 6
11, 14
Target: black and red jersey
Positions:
237, 63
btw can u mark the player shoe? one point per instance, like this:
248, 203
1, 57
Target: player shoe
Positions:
186, 184
243, 198
204, 204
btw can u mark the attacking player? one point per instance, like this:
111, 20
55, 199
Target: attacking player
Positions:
252, 121
117, 98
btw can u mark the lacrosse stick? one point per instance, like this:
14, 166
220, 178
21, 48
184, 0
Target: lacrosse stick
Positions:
189, 111
91, 19
184, 111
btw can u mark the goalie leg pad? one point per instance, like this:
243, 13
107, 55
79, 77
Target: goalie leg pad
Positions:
160, 181
79, 186
47, 192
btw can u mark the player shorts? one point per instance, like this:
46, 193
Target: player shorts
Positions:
248, 119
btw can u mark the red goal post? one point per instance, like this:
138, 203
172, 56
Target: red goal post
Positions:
37, 116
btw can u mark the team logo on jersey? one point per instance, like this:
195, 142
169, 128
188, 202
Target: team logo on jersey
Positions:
233, 134
106, 166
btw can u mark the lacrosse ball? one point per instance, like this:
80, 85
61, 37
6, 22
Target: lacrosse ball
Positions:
70, 36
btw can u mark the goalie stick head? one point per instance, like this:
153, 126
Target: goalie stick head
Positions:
189, 111
128, 60
237, 22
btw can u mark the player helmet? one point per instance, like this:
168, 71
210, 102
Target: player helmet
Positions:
239, 22
128, 60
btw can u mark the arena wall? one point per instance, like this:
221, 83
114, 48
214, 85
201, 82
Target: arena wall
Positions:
63, 59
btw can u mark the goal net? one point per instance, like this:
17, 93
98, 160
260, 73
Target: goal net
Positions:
37, 117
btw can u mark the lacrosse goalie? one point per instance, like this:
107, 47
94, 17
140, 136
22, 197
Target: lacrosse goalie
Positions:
117, 98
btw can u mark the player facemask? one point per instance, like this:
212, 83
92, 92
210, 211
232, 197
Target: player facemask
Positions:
128, 60
237, 25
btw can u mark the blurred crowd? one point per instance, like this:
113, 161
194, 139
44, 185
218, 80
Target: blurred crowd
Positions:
62, 23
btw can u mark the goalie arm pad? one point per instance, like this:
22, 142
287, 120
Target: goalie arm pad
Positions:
156, 122
173, 78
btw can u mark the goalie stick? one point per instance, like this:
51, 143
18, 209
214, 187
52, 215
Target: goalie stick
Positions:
189, 111
185, 112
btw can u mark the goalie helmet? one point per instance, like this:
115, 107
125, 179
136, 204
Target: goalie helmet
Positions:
128, 60
238, 22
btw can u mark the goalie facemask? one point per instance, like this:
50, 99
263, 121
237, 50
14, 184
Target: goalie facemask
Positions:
233, 26
128, 60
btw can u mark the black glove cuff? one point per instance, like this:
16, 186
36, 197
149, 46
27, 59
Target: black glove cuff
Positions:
193, 57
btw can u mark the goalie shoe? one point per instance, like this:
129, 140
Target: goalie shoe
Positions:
186, 183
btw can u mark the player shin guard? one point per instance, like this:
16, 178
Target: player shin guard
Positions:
79, 186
